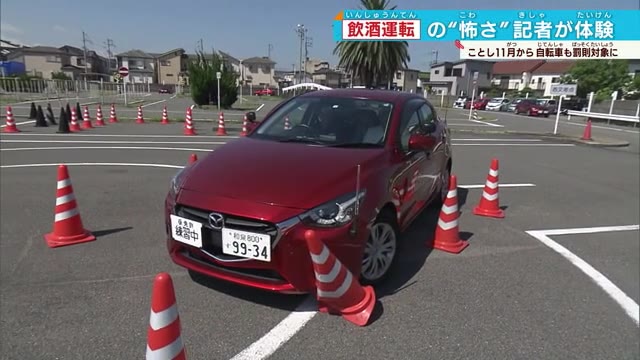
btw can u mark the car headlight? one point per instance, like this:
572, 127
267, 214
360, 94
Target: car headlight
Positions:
176, 183
334, 213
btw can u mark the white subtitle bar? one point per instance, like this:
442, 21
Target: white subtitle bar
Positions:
575, 50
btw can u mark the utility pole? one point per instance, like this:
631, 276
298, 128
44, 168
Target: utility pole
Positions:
110, 44
434, 56
308, 43
301, 31
270, 47
85, 40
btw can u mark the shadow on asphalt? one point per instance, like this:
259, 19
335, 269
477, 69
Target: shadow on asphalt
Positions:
105, 232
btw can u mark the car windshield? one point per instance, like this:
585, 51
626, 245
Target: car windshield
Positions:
495, 100
330, 121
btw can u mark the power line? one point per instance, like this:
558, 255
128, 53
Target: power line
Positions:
85, 40
109, 44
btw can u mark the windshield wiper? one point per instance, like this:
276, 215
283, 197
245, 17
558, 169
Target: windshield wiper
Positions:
355, 145
302, 139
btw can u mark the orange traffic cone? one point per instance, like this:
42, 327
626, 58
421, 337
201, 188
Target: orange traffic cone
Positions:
165, 116
163, 334
99, 118
221, 129
189, 129
86, 119
489, 202
112, 114
447, 236
587, 131
287, 123
67, 226
10, 126
140, 118
337, 289
245, 125
193, 158
74, 127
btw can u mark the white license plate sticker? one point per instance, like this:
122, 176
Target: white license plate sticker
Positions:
186, 231
246, 244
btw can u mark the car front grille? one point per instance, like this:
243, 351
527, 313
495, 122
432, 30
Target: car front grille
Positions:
212, 238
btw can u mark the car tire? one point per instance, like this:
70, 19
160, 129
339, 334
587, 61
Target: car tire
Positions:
385, 228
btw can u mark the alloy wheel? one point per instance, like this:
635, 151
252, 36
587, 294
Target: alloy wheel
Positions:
379, 252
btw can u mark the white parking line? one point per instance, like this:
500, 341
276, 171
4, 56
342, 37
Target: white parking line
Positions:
127, 135
481, 186
112, 142
485, 139
489, 144
166, 166
157, 102
486, 123
629, 306
105, 148
602, 127
259, 107
20, 123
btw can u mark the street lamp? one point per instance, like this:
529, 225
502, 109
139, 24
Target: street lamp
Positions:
241, 80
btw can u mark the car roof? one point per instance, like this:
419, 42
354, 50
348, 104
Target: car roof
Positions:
380, 95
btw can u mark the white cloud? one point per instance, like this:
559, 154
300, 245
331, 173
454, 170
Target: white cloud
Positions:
59, 28
8, 28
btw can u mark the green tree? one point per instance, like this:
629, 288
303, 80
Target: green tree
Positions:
204, 84
599, 76
60, 76
374, 62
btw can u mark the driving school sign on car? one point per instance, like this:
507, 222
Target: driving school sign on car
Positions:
503, 34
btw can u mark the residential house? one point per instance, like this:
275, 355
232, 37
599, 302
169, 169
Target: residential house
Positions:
259, 71
6, 47
634, 67
231, 61
171, 67
460, 77
73, 64
141, 65
549, 73
514, 75
406, 80
327, 77
40, 61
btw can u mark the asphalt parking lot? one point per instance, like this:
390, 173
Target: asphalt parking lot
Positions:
520, 290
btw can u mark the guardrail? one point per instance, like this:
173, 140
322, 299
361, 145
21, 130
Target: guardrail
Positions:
633, 119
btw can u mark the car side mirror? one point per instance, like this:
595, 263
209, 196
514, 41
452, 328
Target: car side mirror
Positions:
421, 142
251, 116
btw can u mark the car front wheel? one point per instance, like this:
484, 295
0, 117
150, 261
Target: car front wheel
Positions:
380, 249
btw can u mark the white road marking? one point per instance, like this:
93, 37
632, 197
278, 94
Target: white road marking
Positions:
166, 166
489, 144
113, 142
281, 333
486, 123
483, 139
259, 107
481, 186
127, 135
20, 123
105, 148
629, 306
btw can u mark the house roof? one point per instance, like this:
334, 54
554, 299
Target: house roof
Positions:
326, 71
169, 53
72, 50
258, 60
516, 67
135, 53
555, 67
228, 57
37, 50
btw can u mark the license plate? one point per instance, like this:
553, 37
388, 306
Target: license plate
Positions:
246, 244
186, 231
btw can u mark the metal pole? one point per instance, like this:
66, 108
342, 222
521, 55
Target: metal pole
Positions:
218, 94
124, 90
473, 96
590, 101
241, 80
555, 128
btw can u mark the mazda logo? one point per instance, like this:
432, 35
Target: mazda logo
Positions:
216, 221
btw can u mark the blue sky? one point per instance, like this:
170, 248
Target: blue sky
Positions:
243, 28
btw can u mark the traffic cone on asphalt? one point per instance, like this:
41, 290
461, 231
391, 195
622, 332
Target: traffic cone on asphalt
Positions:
67, 225
287, 123
10, 126
221, 129
75, 127
165, 116
140, 118
164, 341
33, 113
337, 290
99, 118
193, 158
78, 110
86, 119
587, 131
112, 114
245, 125
63, 125
68, 111
489, 202
40, 120
189, 129
447, 235
49, 115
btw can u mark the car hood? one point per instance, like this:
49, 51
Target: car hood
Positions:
292, 175
494, 103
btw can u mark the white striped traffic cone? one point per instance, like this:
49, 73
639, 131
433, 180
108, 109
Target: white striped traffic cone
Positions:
489, 202
164, 341
447, 235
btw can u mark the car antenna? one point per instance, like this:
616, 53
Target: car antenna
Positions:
356, 211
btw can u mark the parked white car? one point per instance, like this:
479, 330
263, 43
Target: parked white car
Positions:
459, 103
498, 104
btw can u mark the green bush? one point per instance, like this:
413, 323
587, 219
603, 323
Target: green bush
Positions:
204, 84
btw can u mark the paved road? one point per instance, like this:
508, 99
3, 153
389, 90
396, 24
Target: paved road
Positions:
508, 295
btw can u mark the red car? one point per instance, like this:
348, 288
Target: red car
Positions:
481, 104
357, 166
260, 92
531, 108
